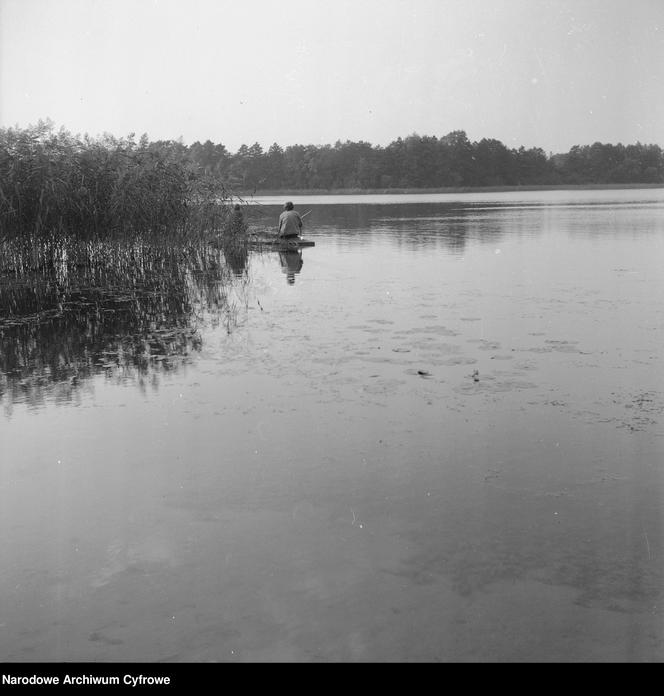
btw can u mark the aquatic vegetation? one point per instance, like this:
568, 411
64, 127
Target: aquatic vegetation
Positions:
56, 186
112, 252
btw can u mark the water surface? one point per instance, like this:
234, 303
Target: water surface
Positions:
436, 435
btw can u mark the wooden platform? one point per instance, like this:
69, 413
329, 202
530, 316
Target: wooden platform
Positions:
275, 244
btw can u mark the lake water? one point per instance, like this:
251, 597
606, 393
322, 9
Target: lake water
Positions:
437, 435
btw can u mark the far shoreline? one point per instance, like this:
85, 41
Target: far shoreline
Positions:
459, 189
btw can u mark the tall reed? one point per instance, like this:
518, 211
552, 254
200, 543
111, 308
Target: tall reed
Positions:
54, 185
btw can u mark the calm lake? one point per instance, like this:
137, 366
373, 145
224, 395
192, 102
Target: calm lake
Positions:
437, 435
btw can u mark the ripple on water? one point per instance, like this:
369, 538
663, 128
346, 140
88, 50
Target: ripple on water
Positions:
385, 359
369, 329
639, 409
438, 330
550, 346
455, 360
563, 346
492, 385
483, 344
433, 347
420, 372
524, 365
383, 386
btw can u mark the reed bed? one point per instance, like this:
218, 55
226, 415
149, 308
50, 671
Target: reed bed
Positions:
113, 255
57, 185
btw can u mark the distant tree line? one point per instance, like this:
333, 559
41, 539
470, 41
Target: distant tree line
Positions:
424, 162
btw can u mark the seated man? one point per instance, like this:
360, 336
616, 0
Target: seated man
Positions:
290, 222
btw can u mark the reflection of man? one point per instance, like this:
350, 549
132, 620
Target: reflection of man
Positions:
291, 263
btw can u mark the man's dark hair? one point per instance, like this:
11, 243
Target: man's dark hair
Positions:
288, 206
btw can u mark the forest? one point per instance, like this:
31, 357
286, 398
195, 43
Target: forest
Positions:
450, 161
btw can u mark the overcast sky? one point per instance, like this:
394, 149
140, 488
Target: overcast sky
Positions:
544, 73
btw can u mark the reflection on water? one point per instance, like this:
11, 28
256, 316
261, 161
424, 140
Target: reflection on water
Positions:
291, 264
237, 258
443, 441
127, 313
496, 199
